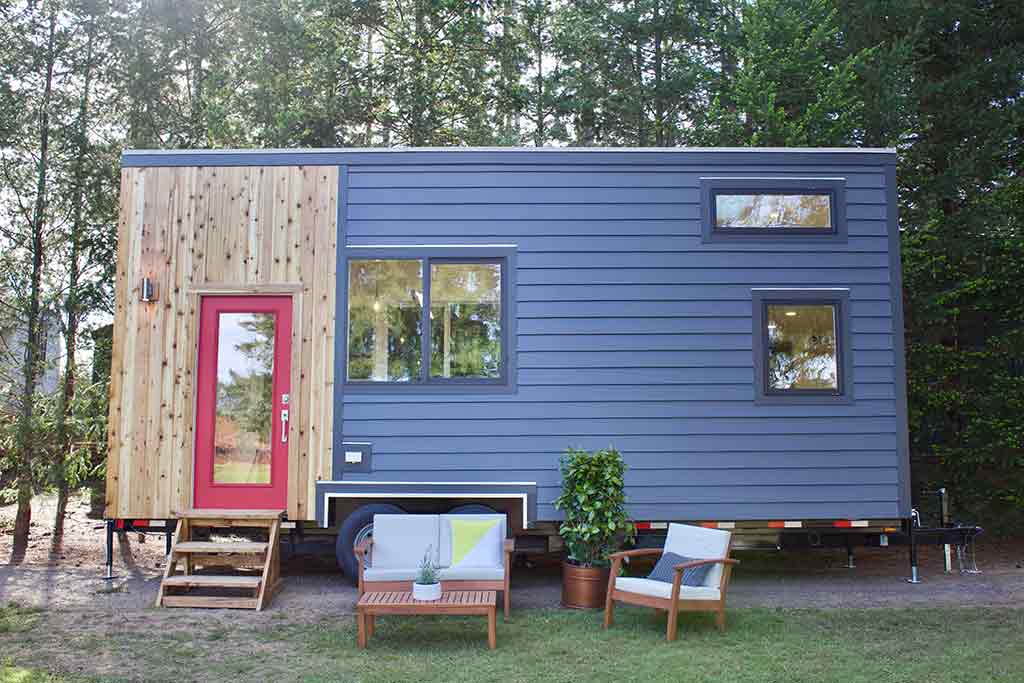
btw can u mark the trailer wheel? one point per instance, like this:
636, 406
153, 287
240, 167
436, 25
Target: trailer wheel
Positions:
356, 528
472, 509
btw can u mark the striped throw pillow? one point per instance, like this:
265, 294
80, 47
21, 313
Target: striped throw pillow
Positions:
665, 571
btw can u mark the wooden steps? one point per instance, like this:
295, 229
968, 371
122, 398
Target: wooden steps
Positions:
209, 547
213, 581
246, 591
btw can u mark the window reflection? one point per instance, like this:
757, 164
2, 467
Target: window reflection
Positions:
465, 320
773, 211
245, 398
802, 350
385, 310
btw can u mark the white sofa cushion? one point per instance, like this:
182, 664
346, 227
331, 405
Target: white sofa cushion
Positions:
401, 541
491, 552
700, 543
472, 574
376, 574
446, 574
660, 589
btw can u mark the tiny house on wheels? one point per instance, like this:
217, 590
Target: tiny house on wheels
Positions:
333, 333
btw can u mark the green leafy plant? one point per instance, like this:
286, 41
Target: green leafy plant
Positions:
427, 574
593, 499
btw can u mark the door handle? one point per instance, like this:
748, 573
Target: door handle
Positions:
284, 425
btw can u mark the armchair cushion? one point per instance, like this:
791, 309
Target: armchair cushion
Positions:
665, 571
660, 589
699, 543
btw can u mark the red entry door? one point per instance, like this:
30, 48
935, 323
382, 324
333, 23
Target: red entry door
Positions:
242, 402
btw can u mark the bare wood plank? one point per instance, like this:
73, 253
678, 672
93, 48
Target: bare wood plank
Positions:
117, 356
241, 547
268, 566
212, 602
212, 581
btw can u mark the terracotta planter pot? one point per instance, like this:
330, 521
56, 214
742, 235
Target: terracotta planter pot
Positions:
584, 587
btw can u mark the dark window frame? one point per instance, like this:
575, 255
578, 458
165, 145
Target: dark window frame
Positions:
504, 255
834, 188
839, 299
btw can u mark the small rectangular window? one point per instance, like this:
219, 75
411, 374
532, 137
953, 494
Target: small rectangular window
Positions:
802, 347
763, 209
773, 211
801, 352
434, 320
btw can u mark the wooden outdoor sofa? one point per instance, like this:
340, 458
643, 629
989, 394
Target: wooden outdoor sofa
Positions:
390, 559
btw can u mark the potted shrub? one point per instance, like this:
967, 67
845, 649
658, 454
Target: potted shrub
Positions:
593, 500
426, 586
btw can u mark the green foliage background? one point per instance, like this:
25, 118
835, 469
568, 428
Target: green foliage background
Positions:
940, 80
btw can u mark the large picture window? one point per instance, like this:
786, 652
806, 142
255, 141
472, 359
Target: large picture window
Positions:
773, 208
801, 352
427, 321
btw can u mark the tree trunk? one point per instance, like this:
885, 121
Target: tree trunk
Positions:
418, 136
71, 306
539, 133
659, 96
30, 368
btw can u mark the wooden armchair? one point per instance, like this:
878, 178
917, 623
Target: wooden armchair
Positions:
711, 545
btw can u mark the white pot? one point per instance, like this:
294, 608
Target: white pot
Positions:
426, 591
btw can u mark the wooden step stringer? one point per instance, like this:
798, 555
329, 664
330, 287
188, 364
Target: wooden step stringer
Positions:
188, 554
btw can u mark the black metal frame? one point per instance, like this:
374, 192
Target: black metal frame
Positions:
141, 526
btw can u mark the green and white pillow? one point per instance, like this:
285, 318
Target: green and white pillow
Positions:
476, 542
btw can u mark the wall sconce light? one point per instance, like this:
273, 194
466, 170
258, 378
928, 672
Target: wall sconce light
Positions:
147, 292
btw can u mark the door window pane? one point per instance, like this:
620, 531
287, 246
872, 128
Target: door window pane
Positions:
465, 320
802, 351
773, 211
245, 398
385, 308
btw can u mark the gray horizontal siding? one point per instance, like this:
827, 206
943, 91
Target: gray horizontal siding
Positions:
696, 464
486, 409
485, 231
555, 212
632, 331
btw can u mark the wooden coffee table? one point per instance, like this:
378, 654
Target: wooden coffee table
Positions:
401, 602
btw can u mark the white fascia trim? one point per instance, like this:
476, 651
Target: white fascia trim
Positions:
430, 246
430, 483
457, 496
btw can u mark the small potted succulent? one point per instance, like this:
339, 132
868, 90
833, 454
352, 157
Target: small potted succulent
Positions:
427, 586
593, 500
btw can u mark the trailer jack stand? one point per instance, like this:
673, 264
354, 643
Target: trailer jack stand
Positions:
849, 555
110, 551
913, 549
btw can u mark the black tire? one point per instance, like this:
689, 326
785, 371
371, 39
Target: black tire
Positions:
357, 526
472, 509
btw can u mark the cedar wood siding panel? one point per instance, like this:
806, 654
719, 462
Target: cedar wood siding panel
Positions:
246, 229
632, 331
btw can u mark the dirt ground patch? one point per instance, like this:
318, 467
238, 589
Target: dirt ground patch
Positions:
67, 582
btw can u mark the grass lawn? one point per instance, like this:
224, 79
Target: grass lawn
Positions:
870, 646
